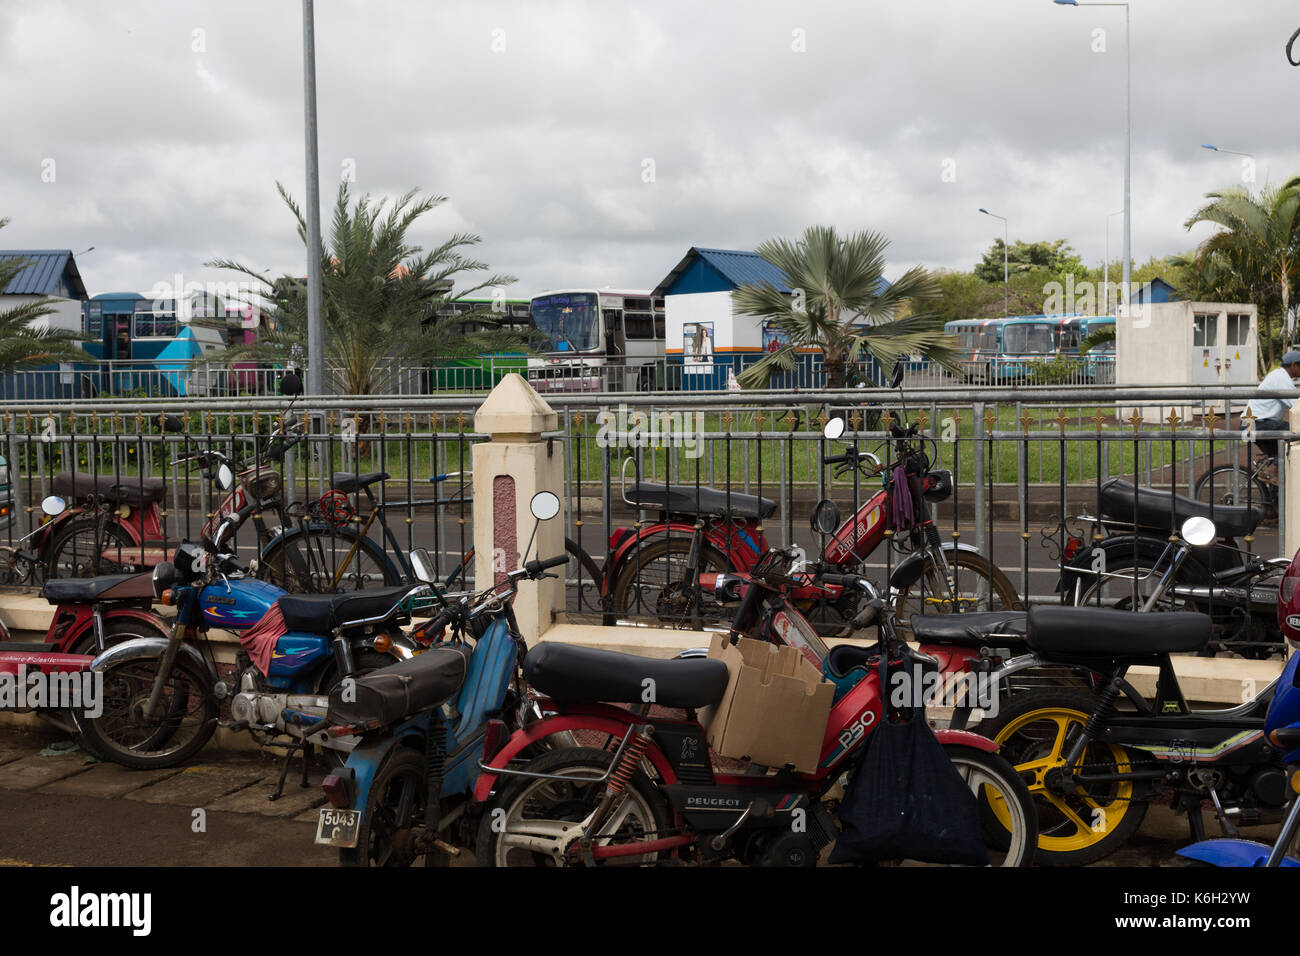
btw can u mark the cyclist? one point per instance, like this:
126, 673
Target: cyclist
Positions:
1272, 414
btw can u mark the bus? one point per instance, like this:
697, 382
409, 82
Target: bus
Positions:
597, 340
481, 372
980, 342
1025, 341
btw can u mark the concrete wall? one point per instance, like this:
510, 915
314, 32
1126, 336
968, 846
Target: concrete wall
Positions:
67, 314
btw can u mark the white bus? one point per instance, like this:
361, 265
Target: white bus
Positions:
598, 340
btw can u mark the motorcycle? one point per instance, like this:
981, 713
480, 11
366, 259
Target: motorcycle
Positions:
1282, 730
726, 535
1237, 590
656, 796
413, 742
162, 695
1093, 767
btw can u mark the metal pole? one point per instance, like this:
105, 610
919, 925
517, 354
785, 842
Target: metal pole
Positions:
1006, 293
315, 334
980, 476
1128, 154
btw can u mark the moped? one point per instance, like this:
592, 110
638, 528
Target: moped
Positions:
652, 794
424, 726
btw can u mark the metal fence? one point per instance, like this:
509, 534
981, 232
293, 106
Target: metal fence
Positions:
1025, 467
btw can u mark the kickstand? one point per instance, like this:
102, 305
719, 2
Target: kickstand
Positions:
1229, 829
305, 746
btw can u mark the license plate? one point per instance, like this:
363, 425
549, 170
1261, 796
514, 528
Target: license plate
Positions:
338, 827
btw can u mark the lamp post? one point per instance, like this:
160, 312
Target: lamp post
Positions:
1006, 297
1128, 136
1105, 269
1236, 152
315, 339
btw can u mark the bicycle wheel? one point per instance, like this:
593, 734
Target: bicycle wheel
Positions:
76, 552
1232, 486
313, 561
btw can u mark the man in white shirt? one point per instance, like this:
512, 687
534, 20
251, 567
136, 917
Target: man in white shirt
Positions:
1272, 414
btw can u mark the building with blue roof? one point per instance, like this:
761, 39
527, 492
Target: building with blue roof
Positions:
48, 274
705, 337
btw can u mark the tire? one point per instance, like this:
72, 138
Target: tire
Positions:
1007, 811
73, 553
589, 570
973, 574
123, 735
1082, 827
1230, 487
651, 578
396, 806
643, 811
117, 631
319, 554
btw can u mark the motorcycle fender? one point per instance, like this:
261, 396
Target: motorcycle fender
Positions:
144, 648
1224, 852
145, 618
557, 724
964, 738
367, 757
631, 541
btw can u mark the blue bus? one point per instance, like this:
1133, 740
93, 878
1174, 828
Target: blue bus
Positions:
1008, 349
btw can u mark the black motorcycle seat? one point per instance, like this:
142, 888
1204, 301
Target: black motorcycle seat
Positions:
400, 690
133, 492
1115, 501
586, 674
687, 499
1105, 632
347, 482
322, 613
106, 587
991, 628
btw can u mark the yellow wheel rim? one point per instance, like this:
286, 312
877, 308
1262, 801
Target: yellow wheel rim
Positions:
1076, 821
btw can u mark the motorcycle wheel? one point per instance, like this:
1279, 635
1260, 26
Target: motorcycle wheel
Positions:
1034, 732
73, 553
392, 813
973, 573
503, 836
651, 583
1007, 811
121, 733
1116, 590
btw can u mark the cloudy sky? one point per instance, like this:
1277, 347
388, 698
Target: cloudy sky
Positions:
592, 143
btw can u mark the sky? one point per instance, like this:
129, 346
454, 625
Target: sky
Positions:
593, 143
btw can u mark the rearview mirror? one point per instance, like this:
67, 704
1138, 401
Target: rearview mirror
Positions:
545, 505
291, 384
422, 565
1198, 531
225, 478
896, 379
834, 428
54, 506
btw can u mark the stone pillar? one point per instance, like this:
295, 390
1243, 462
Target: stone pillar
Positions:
513, 465
1291, 533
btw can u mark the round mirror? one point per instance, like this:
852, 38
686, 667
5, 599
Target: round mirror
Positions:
1198, 531
225, 478
834, 428
825, 517
291, 383
54, 506
545, 505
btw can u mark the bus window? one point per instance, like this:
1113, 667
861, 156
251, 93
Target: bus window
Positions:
639, 325
988, 340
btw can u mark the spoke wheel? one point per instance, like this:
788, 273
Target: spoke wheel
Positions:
77, 552
307, 564
979, 586
652, 584
1235, 486
1077, 824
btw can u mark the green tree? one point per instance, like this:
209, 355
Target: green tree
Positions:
1058, 258
1255, 255
840, 306
380, 298
25, 340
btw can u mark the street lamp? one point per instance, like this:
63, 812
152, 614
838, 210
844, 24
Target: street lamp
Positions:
1006, 308
315, 332
1235, 152
1128, 134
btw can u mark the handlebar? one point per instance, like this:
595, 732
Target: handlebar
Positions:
537, 567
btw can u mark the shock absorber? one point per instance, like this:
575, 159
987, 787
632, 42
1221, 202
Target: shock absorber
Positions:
1096, 720
628, 763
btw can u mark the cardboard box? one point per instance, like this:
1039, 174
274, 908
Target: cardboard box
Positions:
775, 708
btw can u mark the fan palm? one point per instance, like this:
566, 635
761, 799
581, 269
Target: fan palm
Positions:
380, 297
26, 340
840, 305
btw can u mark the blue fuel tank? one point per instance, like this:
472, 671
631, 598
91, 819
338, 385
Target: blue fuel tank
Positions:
241, 606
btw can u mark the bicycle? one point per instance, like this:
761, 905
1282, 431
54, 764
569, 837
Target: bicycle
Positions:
1234, 484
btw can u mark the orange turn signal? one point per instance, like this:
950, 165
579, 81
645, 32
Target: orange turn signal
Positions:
166, 598
383, 643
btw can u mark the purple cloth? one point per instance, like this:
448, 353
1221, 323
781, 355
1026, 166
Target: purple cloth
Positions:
900, 500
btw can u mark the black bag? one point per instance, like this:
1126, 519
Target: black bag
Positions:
905, 800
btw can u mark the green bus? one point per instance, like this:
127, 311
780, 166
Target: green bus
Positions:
485, 371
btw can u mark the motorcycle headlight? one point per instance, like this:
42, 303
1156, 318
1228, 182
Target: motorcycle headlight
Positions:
164, 577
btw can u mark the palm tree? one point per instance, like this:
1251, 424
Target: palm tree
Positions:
1256, 255
25, 339
380, 297
841, 305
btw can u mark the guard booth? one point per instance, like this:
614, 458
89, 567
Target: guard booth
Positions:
1186, 343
